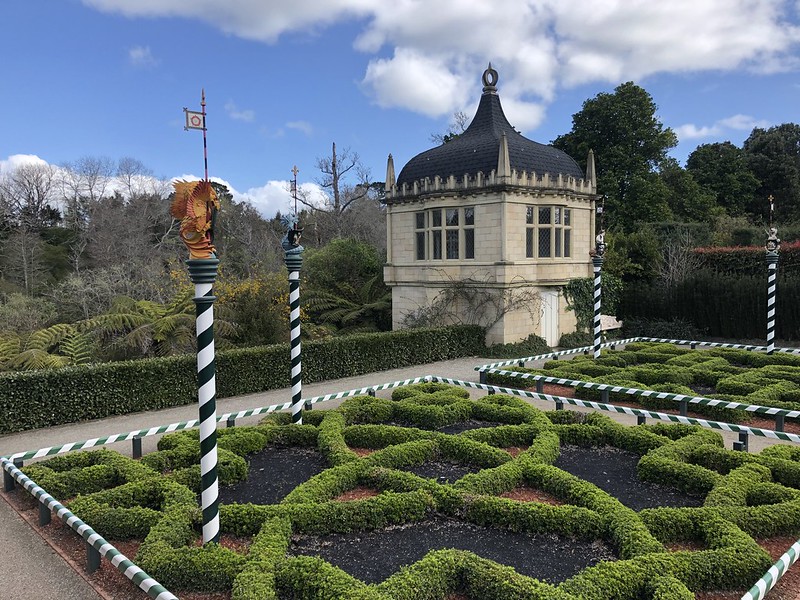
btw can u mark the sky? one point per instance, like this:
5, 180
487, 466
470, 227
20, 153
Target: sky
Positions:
283, 80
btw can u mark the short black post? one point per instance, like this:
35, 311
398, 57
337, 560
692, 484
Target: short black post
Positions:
604, 396
539, 386
8, 482
693, 346
641, 420
371, 392
521, 363
136, 446
230, 422
684, 408
45, 515
779, 422
92, 558
491, 392
744, 438
559, 405
482, 377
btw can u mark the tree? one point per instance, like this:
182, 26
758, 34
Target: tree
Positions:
345, 286
722, 169
26, 194
346, 182
456, 127
687, 199
629, 144
774, 157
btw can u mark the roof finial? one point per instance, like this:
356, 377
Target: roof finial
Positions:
490, 80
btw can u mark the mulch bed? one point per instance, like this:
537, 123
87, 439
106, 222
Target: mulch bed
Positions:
541, 556
614, 471
274, 472
443, 471
457, 428
526, 493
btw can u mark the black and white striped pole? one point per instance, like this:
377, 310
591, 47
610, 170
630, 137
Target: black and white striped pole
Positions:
773, 246
293, 256
203, 273
597, 265
196, 205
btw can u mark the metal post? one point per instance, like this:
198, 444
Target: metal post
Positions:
482, 377
597, 263
92, 558
684, 408
773, 246
45, 514
772, 276
371, 392
203, 273
136, 447
744, 438
293, 256
8, 479
641, 420
230, 422
539, 386
779, 422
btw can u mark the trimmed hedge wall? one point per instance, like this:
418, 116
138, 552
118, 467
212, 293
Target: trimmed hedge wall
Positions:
30, 400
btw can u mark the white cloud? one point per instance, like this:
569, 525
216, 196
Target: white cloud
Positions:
690, 131
431, 51
303, 126
142, 57
17, 160
237, 114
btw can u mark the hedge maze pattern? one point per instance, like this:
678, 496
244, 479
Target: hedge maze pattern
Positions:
153, 500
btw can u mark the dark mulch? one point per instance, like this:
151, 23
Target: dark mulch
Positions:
274, 472
547, 557
443, 471
457, 428
614, 471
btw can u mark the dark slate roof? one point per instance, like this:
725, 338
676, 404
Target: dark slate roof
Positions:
477, 149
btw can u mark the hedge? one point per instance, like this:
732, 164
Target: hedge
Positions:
34, 399
745, 495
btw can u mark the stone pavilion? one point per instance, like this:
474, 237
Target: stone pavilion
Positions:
495, 215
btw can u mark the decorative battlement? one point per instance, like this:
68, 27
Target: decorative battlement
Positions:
517, 179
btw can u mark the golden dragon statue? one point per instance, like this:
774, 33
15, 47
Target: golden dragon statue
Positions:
196, 204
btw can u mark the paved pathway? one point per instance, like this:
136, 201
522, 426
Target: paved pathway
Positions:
29, 565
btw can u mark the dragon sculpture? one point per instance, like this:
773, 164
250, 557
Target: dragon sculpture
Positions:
196, 205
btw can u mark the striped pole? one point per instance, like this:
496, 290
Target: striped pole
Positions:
203, 272
597, 262
294, 318
776, 571
772, 276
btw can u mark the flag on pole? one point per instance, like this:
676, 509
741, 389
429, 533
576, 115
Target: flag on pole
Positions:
194, 119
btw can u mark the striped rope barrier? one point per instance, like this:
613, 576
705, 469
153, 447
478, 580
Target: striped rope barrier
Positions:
772, 269
173, 427
597, 262
622, 342
121, 562
297, 370
589, 385
776, 571
582, 349
203, 272
636, 412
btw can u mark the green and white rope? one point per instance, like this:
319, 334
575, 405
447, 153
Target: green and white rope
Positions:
583, 349
172, 427
716, 345
776, 571
637, 412
754, 408
121, 562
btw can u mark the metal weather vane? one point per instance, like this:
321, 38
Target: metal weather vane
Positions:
197, 120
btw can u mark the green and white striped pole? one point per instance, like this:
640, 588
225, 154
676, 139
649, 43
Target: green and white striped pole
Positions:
293, 255
597, 263
203, 273
773, 246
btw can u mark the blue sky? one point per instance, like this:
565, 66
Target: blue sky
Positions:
285, 79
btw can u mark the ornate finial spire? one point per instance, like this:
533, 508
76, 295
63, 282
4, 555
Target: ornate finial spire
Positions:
490, 80
390, 179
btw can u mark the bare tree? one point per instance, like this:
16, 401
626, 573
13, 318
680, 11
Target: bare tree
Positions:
456, 127
28, 194
677, 259
134, 176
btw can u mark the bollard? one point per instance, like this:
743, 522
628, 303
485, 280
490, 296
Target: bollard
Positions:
779, 422
641, 420
744, 441
92, 558
230, 422
136, 446
521, 363
738, 446
693, 346
483, 378
491, 392
371, 391
8, 480
539, 386
559, 405
604, 396
45, 515
684, 405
